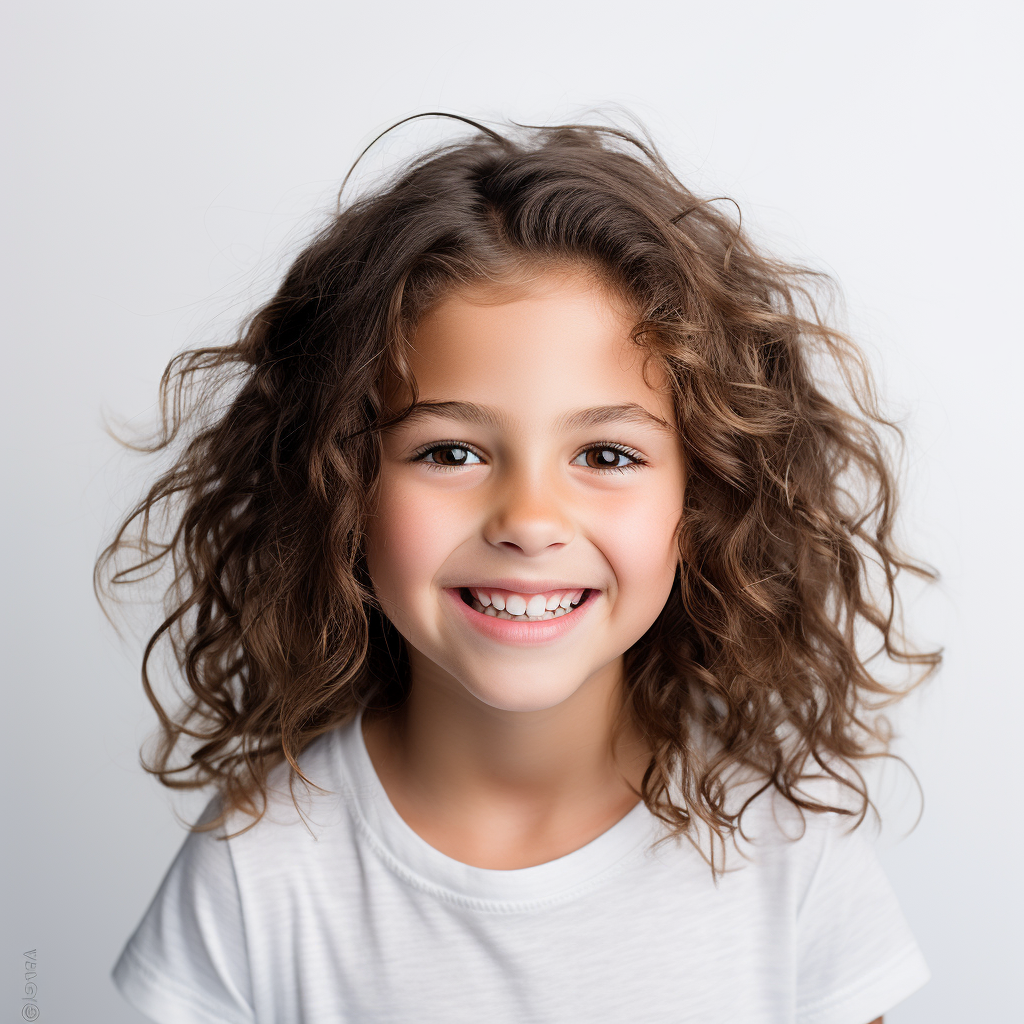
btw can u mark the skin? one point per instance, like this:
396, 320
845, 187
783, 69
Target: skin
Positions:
503, 755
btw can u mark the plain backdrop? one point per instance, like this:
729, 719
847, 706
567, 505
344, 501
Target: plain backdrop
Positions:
163, 161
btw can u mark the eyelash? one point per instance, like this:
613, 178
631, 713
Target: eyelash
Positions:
437, 446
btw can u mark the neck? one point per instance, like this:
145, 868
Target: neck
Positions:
560, 772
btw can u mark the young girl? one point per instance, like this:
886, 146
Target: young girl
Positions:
524, 526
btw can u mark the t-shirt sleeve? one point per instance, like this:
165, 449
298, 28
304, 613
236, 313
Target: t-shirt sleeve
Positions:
857, 957
186, 963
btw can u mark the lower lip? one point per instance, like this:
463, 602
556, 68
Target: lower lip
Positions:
508, 631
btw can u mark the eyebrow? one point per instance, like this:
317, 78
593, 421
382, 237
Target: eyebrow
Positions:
470, 412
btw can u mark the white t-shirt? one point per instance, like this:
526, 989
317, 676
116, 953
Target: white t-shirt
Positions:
369, 923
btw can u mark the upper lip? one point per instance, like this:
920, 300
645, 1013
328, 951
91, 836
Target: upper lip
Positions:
524, 586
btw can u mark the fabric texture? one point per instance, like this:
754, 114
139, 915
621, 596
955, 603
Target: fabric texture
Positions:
363, 921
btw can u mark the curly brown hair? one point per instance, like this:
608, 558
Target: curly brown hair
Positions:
786, 540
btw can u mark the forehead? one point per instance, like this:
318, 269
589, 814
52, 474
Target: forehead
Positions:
556, 341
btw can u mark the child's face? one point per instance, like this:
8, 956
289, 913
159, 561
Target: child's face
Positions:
526, 506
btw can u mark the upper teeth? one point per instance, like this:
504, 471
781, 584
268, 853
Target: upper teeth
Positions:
526, 604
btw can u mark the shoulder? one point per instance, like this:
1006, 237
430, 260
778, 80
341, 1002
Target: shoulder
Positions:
217, 869
188, 959
314, 801
777, 837
854, 953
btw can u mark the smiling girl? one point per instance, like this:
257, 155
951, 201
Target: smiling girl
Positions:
529, 537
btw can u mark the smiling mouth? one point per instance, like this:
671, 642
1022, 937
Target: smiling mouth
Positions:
492, 612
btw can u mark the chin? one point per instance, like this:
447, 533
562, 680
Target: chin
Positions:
513, 695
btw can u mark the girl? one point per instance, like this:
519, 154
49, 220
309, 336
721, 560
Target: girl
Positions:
521, 527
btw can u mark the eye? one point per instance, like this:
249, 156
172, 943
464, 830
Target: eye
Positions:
449, 455
606, 458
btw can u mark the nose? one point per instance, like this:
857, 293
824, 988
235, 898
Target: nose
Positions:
529, 515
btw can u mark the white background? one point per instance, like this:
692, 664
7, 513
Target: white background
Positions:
164, 159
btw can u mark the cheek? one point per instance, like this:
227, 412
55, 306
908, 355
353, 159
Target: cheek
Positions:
639, 542
407, 540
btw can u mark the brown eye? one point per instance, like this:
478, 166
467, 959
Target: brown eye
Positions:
606, 457
452, 456
603, 458
448, 456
